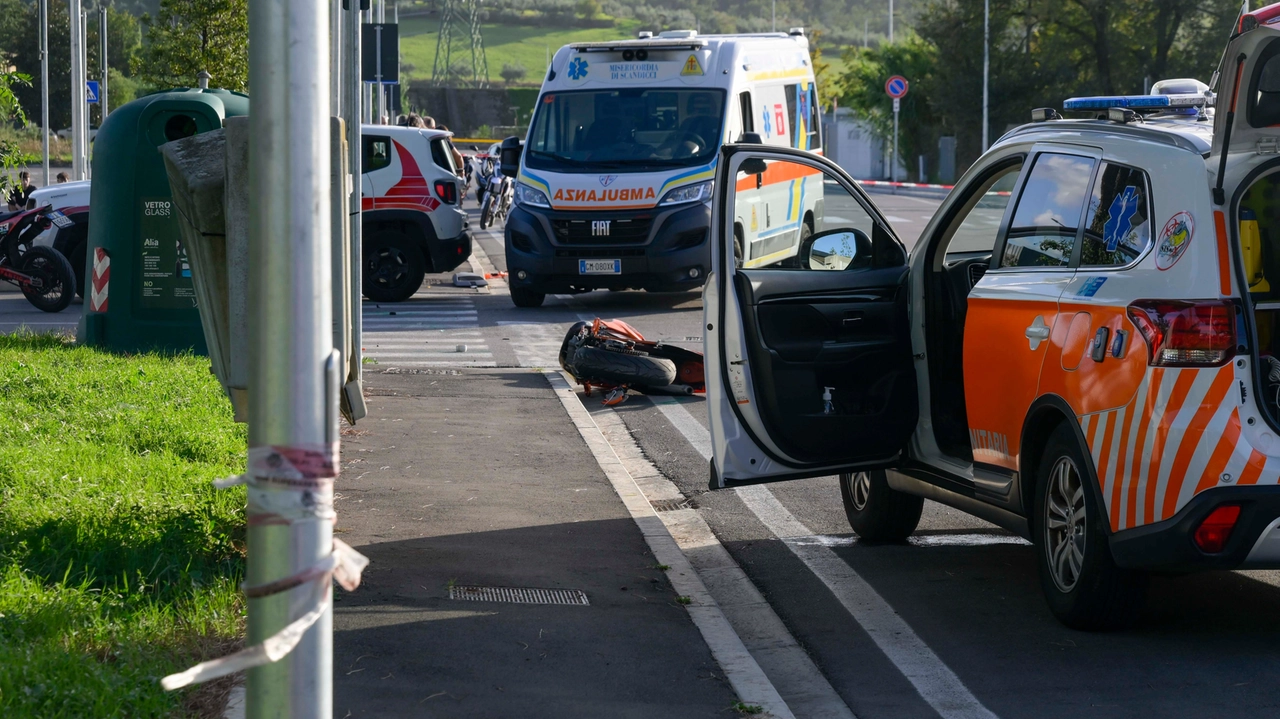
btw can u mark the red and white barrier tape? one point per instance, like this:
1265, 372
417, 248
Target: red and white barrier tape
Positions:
288, 485
913, 185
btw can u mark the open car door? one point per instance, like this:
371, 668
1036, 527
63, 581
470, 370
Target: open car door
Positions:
809, 367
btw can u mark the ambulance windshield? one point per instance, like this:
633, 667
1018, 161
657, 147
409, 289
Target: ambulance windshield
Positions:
631, 130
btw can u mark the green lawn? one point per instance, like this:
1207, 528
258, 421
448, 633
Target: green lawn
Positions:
514, 44
119, 562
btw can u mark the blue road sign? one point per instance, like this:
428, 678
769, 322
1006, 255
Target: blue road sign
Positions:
896, 87
91, 91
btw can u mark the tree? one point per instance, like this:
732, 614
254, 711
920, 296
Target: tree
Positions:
589, 9
861, 87
11, 156
512, 73
188, 36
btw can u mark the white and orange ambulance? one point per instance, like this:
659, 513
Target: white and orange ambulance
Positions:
1083, 347
614, 178
412, 220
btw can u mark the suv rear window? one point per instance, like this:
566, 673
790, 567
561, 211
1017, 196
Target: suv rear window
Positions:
1043, 232
1118, 229
441, 155
377, 153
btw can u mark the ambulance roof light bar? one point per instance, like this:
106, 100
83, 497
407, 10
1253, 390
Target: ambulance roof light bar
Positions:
648, 43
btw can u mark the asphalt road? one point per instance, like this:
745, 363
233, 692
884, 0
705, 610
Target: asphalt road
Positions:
968, 591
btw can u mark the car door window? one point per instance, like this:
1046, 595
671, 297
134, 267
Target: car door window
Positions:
795, 215
377, 153
978, 225
442, 156
1047, 218
1118, 226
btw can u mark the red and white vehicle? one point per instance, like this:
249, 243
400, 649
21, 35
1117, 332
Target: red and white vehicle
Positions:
68, 231
413, 221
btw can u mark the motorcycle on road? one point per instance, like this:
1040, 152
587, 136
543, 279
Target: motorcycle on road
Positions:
613, 356
42, 273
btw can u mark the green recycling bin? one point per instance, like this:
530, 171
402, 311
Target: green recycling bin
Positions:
140, 295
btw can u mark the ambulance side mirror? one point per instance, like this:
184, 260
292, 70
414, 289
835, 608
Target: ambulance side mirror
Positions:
754, 166
509, 156
837, 249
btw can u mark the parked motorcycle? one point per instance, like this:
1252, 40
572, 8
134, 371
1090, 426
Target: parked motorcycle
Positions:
42, 273
614, 357
497, 200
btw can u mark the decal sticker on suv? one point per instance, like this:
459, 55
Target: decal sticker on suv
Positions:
1174, 240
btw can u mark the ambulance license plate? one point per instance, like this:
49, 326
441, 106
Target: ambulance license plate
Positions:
599, 267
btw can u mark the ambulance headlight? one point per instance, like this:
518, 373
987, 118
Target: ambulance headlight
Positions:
700, 192
526, 195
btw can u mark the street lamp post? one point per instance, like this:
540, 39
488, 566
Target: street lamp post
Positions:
44, 84
986, 69
890, 22
102, 60
78, 139
293, 372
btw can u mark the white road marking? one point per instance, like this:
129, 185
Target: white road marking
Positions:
933, 679
426, 332
740, 668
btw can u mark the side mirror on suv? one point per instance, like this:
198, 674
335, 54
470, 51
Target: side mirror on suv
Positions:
510, 156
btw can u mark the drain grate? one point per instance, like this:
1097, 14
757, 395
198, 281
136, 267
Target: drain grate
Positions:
671, 505
519, 595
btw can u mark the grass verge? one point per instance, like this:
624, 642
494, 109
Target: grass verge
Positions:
119, 563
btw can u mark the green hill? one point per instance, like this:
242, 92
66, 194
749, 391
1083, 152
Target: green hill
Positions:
511, 44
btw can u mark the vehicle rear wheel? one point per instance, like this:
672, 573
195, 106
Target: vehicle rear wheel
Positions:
522, 297
599, 365
54, 272
876, 511
486, 213
393, 267
1081, 582
566, 357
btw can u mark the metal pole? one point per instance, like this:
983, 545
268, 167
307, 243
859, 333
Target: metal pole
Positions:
351, 101
986, 68
102, 60
774, 6
377, 72
893, 169
890, 22
382, 89
293, 407
44, 85
78, 170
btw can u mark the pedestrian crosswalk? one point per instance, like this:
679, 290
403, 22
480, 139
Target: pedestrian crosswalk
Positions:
535, 345
441, 330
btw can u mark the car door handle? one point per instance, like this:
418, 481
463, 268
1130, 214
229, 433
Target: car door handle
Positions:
1037, 332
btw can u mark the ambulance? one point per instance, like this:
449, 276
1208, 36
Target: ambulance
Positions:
615, 176
1082, 348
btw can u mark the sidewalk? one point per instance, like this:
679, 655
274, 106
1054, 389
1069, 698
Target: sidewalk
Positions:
479, 478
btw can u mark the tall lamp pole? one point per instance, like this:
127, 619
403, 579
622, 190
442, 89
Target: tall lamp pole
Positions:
986, 69
44, 84
102, 60
890, 22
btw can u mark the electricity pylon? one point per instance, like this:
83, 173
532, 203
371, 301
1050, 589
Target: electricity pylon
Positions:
460, 34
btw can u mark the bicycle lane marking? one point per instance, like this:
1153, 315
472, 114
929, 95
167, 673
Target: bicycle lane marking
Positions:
936, 683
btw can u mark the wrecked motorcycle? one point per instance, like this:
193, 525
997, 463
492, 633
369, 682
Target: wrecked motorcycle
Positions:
614, 357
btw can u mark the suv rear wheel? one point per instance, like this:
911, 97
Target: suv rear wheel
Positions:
876, 511
1084, 587
393, 267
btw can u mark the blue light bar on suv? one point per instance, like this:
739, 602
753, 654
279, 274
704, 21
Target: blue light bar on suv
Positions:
1132, 102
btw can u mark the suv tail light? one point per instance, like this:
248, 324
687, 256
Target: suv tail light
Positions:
1186, 334
447, 191
1212, 534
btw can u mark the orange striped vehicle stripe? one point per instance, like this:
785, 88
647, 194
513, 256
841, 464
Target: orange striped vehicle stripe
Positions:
1221, 454
1153, 394
1181, 387
1191, 439
776, 172
1116, 488
1253, 469
1107, 430
1224, 257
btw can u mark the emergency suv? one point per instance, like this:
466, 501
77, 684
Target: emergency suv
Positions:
1082, 348
614, 178
413, 221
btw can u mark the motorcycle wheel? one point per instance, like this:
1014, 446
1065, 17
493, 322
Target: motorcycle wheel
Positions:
604, 366
486, 214
54, 271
